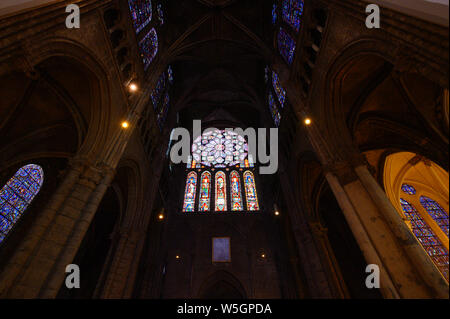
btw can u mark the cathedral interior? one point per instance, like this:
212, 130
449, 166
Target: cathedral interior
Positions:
354, 117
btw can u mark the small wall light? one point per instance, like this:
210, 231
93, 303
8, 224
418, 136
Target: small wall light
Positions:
125, 124
133, 87
308, 121
276, 211
161, 214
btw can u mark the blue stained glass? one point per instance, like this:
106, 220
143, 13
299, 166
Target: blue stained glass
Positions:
435, 210
148, 47
274, 14
281, 93
141, 13
164, 110
160, 86
274, 110
292, 13
160, 14
426, 237
170, 74
5, 225
221, 250
17, 194
408, 189
286, 46
266, 74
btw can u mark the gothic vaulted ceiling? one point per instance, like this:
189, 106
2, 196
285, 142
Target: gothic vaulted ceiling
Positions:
218, 50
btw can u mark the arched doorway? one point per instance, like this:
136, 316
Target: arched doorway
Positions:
222, 285
222, 290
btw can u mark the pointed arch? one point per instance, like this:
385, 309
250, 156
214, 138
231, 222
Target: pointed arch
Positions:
236, 194
205, 192
208, 289
17, 195
250, 191
427, 238
221, 192
189, 193
439, 215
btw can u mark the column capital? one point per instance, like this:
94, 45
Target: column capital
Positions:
342, 170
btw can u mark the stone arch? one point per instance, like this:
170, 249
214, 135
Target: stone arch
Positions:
81, 56
309, 178
354, 100
334, 119
130, 174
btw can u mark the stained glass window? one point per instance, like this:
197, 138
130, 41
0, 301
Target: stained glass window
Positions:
274, 110
221, 249
292, 13
160, 14
236, 197
189, 193
266, 74
426, 237
435, 210
162, 115
205, 189
281, 93
17, 194
219, 148
141, 13
221, 192
274, 14
148, 47
286, 46
159, 88
250, 191
170, 74
408, 189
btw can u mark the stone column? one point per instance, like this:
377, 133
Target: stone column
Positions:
417, 255
334, 273
122, 273
37, 268
316, 278
385, 240
78, 216
362, 238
